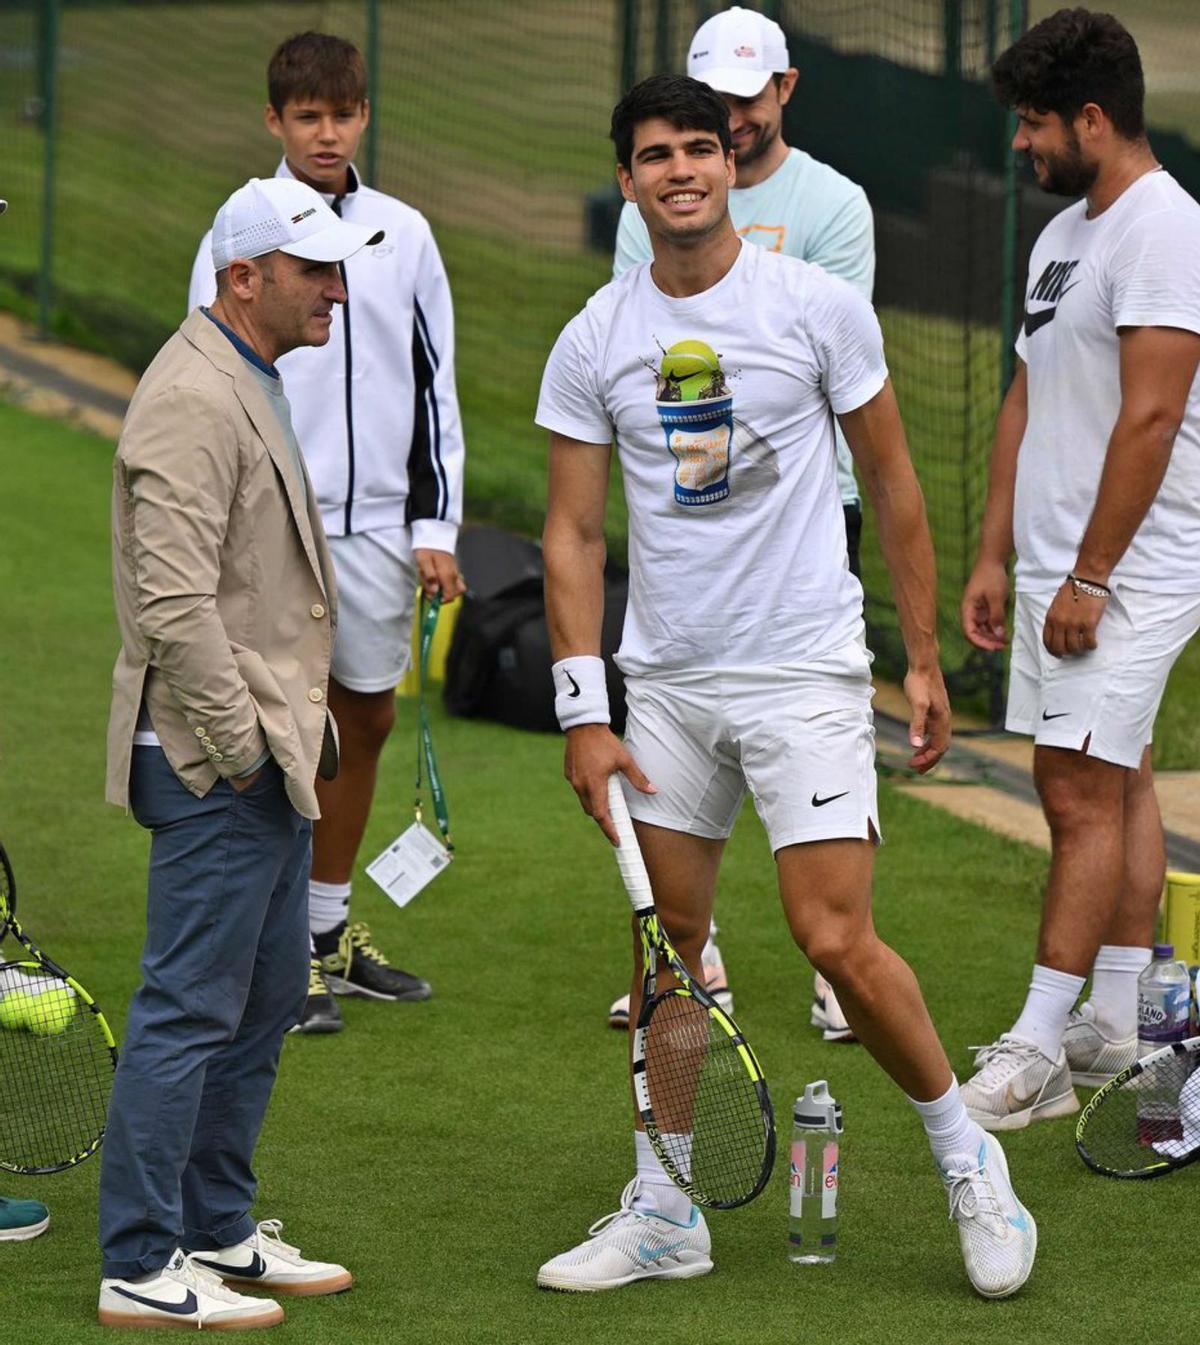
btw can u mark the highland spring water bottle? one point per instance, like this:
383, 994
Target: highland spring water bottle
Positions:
1164, 995
812, 1228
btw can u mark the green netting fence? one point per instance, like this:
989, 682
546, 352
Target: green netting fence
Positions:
125, 125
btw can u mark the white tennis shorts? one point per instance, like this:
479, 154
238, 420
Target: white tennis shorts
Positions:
376, 590
800, 738
1108, 697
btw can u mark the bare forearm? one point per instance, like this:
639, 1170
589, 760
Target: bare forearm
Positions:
574, 589
996, 531
908, 551
1135, 463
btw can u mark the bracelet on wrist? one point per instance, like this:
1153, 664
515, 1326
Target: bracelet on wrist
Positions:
580, 691
1089, 587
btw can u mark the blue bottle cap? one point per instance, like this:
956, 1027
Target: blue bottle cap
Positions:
1163, 952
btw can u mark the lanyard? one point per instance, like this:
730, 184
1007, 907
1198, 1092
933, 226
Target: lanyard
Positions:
430, 607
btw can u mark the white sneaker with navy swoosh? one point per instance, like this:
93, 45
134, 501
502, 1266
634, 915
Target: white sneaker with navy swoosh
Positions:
997, 1233
630, 1245
1016, 1084
265, 1261
183, 1294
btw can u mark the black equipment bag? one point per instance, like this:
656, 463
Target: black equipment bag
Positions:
499, 662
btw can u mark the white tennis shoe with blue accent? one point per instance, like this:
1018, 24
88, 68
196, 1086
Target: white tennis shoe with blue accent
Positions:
630, 1245
183, 1294
997, 1233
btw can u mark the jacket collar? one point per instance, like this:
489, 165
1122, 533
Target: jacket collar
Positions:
204, 334
353, 182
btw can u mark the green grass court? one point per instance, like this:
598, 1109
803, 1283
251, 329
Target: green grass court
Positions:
443, 1151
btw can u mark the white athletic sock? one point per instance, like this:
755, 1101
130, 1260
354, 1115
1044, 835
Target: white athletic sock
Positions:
328, 906
657, 1193
1052, 996
1114, 988
949, 1129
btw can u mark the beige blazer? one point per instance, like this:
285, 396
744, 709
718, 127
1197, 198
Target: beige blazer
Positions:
222, 577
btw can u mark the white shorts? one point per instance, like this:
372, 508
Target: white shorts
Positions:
376, 590
801, 738
1109, 696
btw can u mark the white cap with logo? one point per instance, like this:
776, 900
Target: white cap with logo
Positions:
280, 214
737, 51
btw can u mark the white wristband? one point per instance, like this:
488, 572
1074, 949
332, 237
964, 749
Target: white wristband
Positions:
580, 693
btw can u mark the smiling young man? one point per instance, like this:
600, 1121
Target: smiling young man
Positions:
377, 416
718, 369
1095, 478
786, 201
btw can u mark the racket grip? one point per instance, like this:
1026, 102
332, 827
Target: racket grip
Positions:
629, 854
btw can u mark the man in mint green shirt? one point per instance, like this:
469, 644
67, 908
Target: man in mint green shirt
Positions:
786, 201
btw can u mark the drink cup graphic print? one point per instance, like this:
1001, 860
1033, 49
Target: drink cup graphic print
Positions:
695, 408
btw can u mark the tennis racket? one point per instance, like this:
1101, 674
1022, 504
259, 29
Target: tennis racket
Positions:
57, 1056
697, 1085
1145, 1121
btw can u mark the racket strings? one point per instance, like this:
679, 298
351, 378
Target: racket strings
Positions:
55, 1073
1151, 1117
705, 1103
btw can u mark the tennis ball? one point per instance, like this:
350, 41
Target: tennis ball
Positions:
45, 1014
688, 359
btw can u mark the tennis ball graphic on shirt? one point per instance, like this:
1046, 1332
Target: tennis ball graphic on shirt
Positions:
45, 1013
694, 368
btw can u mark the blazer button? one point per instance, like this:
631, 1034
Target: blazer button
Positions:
218, 756
316, 695
317, 611
199, 733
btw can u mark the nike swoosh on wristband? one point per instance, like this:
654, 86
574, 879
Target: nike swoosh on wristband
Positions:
253, 1271
650, 1254
574, 685
820, 803
184, 1309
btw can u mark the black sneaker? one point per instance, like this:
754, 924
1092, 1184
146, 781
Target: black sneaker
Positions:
321, 1012
357, 967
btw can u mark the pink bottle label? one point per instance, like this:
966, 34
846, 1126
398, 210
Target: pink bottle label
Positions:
829, 1180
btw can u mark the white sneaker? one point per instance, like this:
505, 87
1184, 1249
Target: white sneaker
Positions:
265, 1261
715, 982
1093, 1057
183, 1294
997, 1233
827, 1012
628, 1245
1017, 1084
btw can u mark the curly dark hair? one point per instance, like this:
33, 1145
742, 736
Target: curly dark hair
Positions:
1071, 58
686, 103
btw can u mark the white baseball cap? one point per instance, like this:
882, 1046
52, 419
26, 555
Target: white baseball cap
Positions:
280, 214
737, 51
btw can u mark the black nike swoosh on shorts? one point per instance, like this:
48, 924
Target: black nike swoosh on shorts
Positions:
1061, 715
183, 1309
820, 803
253, 1271
574, 685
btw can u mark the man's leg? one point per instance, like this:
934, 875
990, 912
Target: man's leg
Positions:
656, 1233
214, 863
1101, 1036
1025, 1076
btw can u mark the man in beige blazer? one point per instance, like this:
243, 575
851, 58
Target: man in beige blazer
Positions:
226, 608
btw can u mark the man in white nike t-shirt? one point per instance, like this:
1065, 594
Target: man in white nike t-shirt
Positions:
1096, 480
785, 201
718, 370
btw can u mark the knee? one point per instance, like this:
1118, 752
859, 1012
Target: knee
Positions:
1065, 807
687, 932
839, 949
370, 721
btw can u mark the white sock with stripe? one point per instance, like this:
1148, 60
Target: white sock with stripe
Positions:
328, 906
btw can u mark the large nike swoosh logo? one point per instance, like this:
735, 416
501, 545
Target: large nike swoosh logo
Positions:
820, 803
183, 1309
256, 1268
1036, 321
650, 1254
574, 686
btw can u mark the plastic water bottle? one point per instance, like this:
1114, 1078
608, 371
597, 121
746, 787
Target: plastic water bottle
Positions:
1164, 1001
812, 1227
1164, 1007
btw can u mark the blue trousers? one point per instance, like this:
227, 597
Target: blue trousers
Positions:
224, 975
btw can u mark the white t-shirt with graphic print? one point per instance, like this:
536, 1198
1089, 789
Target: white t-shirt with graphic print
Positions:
737, 541
1137, 264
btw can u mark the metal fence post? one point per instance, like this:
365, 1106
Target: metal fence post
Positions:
373, 90
48, 72
629, 21
1017, 18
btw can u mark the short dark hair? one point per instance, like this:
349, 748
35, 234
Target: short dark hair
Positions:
1072, 58
686, 103
316, 65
